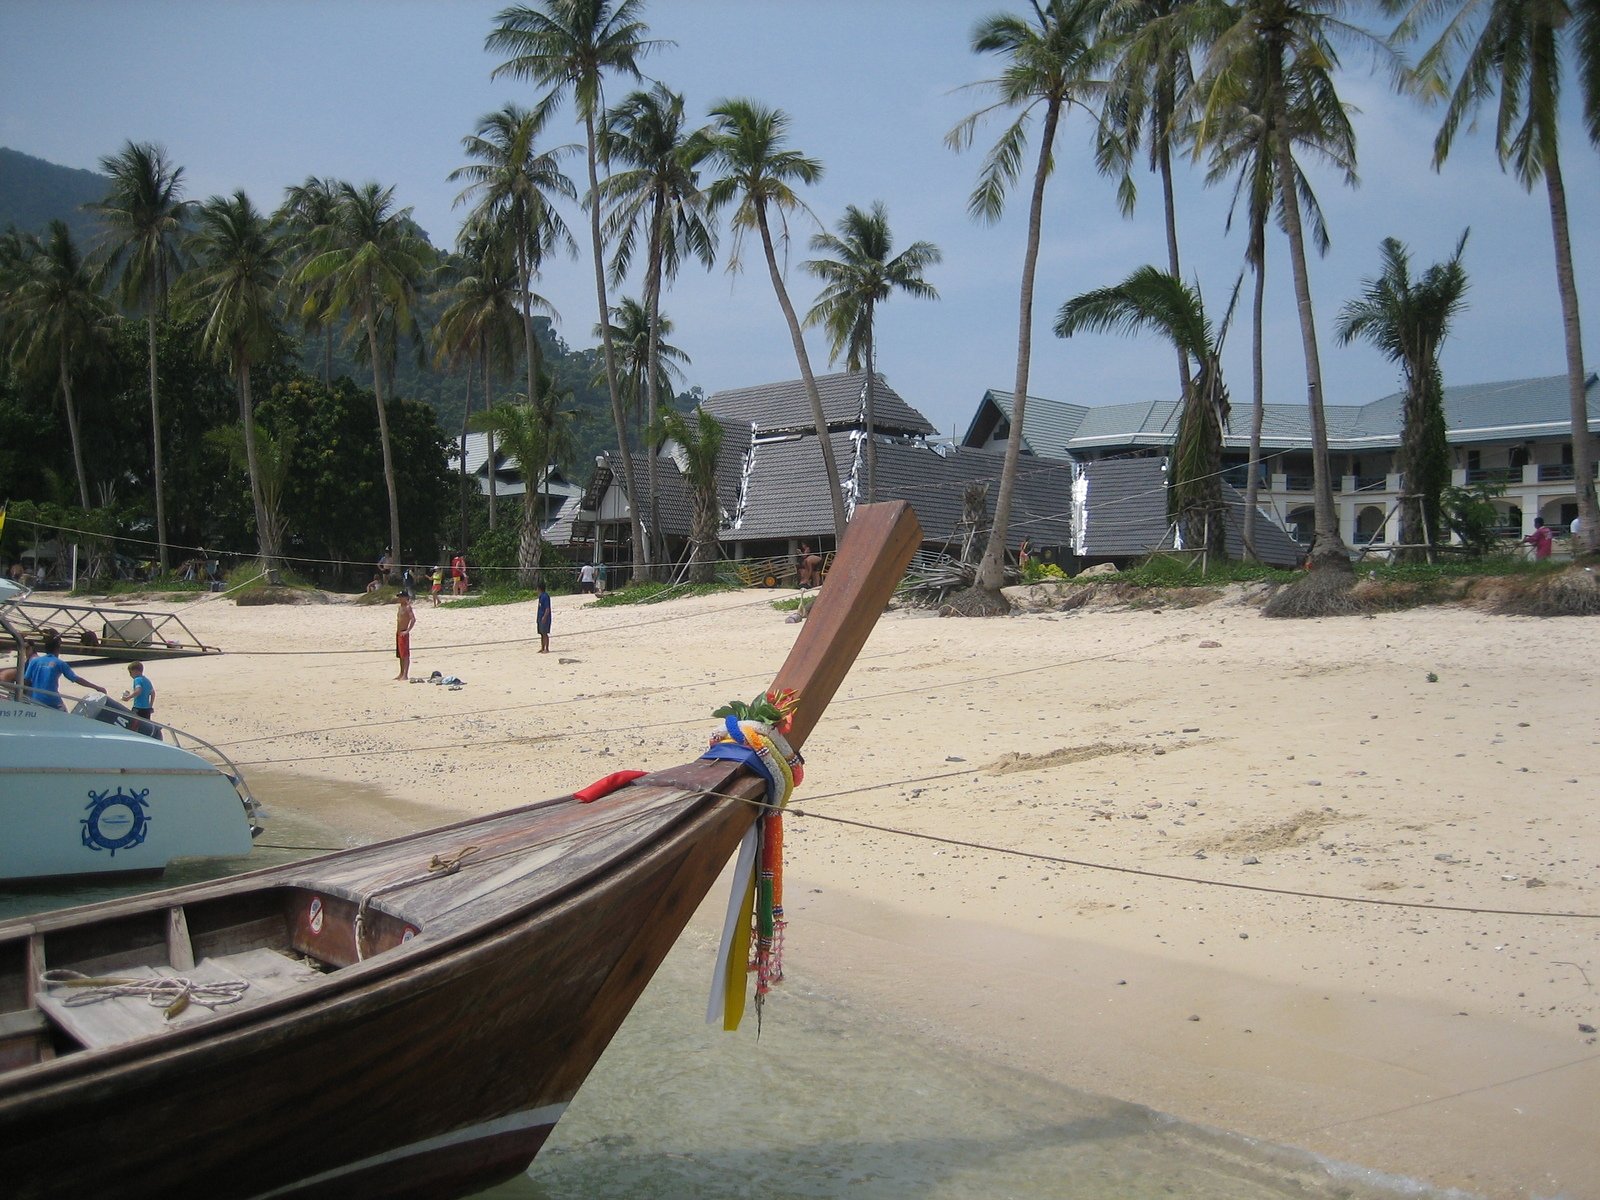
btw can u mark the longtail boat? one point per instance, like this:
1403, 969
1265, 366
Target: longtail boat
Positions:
408, 1019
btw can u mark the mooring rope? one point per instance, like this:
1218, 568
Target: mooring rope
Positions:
172, 993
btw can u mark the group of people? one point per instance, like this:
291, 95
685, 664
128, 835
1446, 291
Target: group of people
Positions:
405, 618
41, 677
435, 576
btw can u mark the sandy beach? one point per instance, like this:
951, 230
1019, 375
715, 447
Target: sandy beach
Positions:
1205, 808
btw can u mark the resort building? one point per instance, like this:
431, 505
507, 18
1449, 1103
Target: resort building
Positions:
1514, 435
772, 487
555, 491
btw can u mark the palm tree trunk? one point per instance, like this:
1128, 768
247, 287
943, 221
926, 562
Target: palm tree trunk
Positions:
1582, 459
155, 437
618, 418
991, 571
466, 418
652, 384
872, 446
488, 405
531, 349
383, 439
824, 442
72, 429
528, 541
1252, 485
1327, 547
266, 540
1169, 208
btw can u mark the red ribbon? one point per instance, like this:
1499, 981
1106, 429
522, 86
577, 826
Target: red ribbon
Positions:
607, 785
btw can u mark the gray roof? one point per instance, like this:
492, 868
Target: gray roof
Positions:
784, 407
1512, 409
787, 492
1125, 515
935, 484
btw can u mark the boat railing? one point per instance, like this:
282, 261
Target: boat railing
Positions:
119, 633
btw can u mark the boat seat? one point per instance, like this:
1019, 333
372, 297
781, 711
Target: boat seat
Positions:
128, 1018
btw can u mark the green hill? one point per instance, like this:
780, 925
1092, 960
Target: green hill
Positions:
34, 192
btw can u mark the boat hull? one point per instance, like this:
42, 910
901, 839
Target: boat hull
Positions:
82, 797
431, 1070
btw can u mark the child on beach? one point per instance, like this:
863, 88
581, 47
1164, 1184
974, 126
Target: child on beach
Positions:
143, 694
404, 619
438, 585
542, 620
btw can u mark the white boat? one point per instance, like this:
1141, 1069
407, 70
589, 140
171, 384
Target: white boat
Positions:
81, 796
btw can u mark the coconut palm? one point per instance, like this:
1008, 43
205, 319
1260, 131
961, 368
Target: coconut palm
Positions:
1049, 62
556, 414
1408, 320
757, 176
373, 258
1151, 300
656, 190
307, 209
234, 291
477, 324
1265, 50
515, 185
520, 430
860, 275
570, 46
1239, 147
1518, 48
701, 440
1149, 91
56, 322
630, 334
143, 217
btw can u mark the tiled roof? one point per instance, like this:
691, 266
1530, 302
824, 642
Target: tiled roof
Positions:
935, 484
784, 407
1125, 514
787, 493
1506, 410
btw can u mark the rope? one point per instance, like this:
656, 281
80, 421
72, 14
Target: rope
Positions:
172, 993
438, 868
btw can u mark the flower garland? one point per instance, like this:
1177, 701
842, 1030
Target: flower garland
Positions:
752, 933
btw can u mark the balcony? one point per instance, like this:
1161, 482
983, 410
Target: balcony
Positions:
1501, 475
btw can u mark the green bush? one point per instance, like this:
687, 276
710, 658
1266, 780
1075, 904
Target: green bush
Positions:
1038, 571
655, 593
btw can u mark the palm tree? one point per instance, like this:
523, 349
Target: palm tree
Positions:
758, 173
1150, 84
307, 209
554, 408
56, 322
1518, 48
702, 445
1049, 62
859, 276
630, 334
1239, 146
569, 46
477, 322
520, 429
372, 257
143, 216
515, 185
1408, 320
658, 190
1155, 301
1268, 50
234, 289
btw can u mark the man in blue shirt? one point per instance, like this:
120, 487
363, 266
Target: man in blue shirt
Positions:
41, 680
542, 620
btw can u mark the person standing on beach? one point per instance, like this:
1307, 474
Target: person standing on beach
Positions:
41, 679
438, 585
404, 619
542, 620
1541, 539
586, 578
143, 695
458, 575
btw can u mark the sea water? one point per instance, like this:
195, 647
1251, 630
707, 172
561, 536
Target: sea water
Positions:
826, 1098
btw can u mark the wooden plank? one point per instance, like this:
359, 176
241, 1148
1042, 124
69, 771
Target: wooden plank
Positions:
180, 951
878, 543
33, 966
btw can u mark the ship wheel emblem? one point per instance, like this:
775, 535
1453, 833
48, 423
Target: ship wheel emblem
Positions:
116, 819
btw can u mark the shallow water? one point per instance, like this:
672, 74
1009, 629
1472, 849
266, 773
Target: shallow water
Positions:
830, 1100
827, 1099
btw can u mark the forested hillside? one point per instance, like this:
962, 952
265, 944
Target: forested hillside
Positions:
34, 192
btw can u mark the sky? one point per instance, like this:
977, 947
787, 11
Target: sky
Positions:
258, 94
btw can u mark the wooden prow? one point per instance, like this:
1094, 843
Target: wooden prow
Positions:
878, 545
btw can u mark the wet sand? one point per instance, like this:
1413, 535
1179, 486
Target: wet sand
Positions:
1432, 1044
